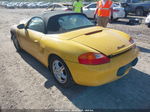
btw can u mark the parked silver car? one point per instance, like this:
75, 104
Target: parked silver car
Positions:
147, 20
117, 12
60, 6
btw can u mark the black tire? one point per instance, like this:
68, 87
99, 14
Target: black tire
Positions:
111, 20
114, 20
126, 14
148, 25
95, 18
16, 43
139, 11
69, 80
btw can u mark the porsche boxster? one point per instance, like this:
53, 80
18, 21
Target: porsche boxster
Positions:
74, 49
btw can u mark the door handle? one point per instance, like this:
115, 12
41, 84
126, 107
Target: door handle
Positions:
36, 41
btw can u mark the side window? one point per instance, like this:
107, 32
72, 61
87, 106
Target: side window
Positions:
57, 6
92, 6
51, 6
37, 24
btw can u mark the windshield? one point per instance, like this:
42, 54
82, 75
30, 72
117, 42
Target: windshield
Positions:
69, 22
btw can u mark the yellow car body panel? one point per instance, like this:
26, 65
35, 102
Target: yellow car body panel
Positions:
76, 33
50, 44
101, 74
70, 45
104, 43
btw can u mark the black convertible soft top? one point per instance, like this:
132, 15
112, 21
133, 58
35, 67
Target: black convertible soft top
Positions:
50, 19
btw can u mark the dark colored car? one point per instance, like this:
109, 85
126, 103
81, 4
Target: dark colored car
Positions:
139, 7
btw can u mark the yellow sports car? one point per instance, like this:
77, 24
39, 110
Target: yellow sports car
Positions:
74, 49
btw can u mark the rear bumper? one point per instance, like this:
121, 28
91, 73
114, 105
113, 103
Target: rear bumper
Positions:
118, 15
94, 75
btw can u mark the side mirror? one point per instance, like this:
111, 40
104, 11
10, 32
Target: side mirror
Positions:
21, 26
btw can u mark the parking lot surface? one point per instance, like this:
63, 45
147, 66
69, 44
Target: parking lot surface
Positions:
27, 84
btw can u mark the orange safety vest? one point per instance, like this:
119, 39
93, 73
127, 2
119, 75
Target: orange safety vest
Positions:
104, 10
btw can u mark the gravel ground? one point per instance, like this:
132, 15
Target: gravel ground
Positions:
27, 84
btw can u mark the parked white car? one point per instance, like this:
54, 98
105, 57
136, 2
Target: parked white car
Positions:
117, 12
147, 20
59, 6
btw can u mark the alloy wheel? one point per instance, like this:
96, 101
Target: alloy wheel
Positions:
59, 71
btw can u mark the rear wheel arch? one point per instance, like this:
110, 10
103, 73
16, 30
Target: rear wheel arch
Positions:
15, 42
12, 34
50, 56
70, 81
141, 9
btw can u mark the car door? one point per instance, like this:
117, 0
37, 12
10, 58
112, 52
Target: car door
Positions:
58, 7
35, 32
51, 7
90, 10
31, 37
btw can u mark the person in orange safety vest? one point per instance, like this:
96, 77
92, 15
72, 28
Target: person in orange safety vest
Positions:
103, 12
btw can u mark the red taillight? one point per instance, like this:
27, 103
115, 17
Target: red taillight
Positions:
93, 58
115, 10
131, 41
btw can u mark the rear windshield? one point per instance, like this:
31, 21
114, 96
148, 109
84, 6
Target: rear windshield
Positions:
65, 23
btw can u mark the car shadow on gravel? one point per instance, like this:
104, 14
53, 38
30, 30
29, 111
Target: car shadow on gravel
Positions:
142, 49
38, 67
129, 92
126, 21
119, 22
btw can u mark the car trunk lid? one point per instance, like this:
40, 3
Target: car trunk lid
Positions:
76, 33
106, 41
